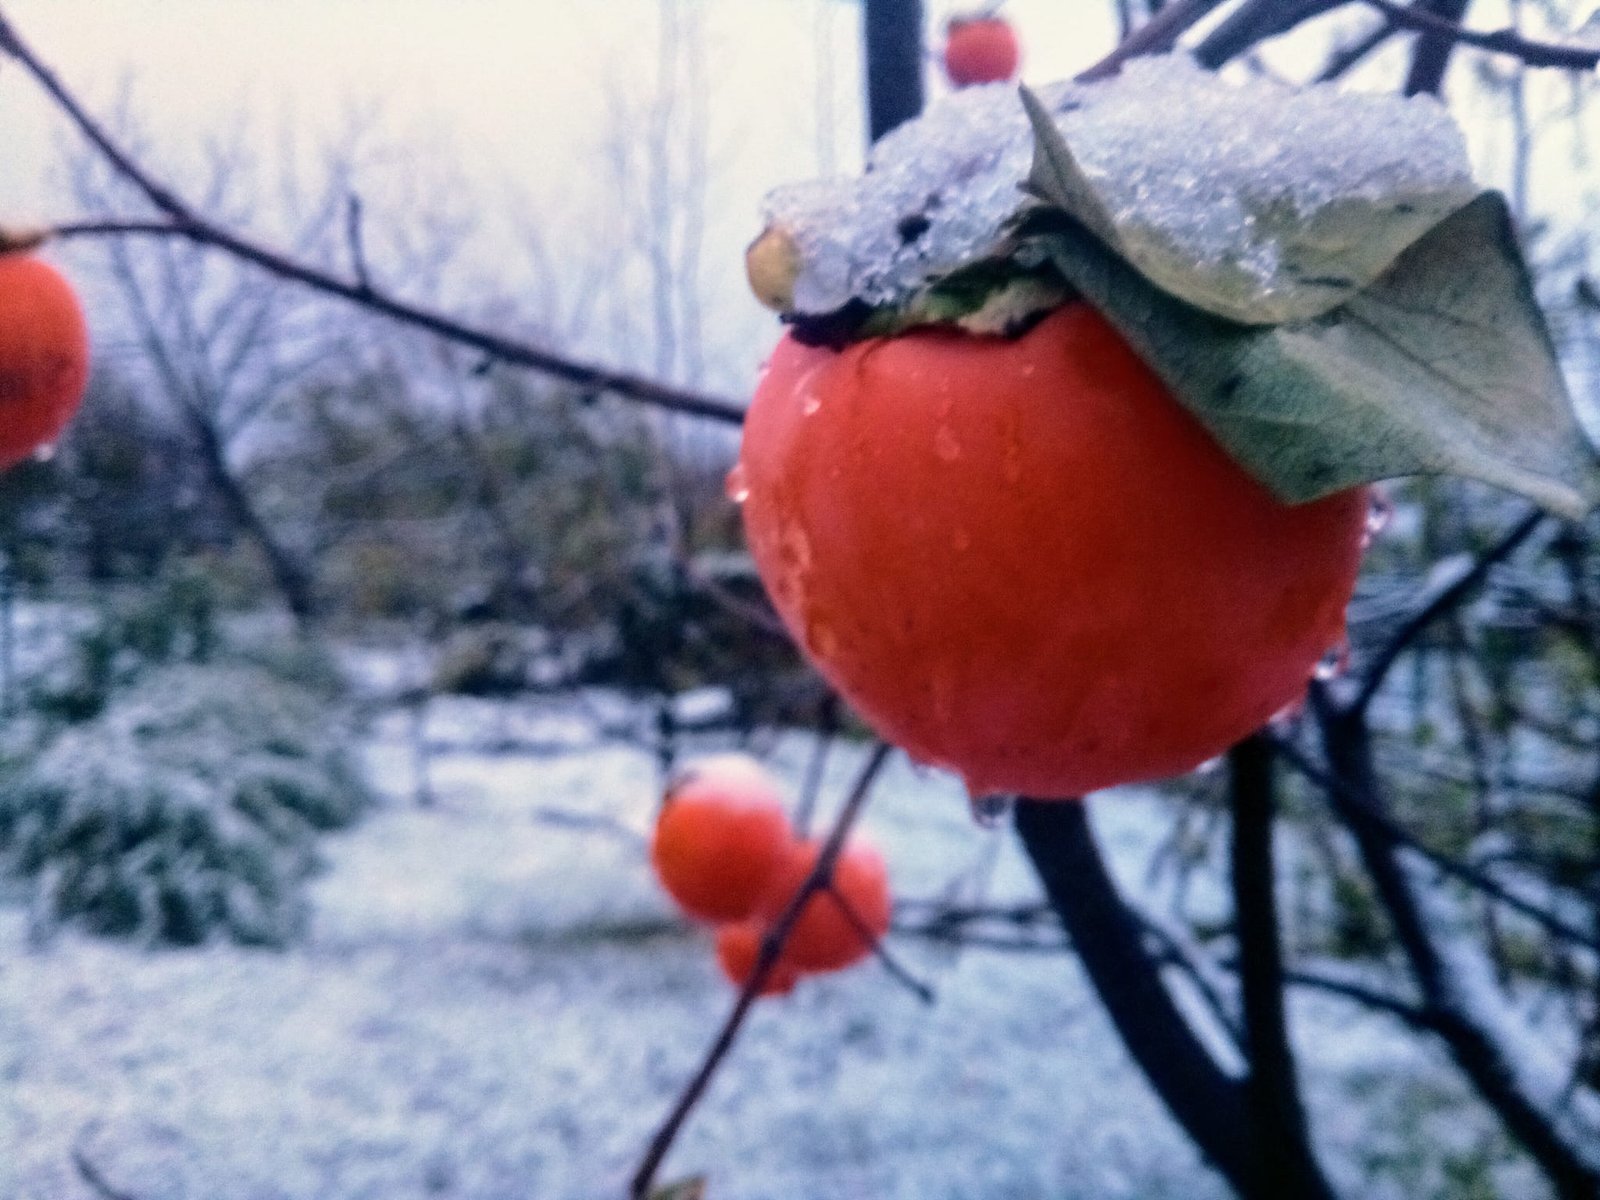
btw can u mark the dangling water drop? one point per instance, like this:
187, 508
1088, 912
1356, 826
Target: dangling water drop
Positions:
1380, 511
1287, 717
990, 811
736, 486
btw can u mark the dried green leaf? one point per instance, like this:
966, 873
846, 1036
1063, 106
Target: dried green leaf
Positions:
1443, 365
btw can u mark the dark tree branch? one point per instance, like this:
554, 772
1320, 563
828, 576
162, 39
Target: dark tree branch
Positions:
1383, 825
1253, 23
183, 222
897, 970
1347, 58
356, 242
827, 729
1156, 36
1418, 1018
1438, 25
1284, 1156
1430, 58
1449, 597
95, 1179
959, 926
1530, 1118
1209, 1104
893, 31
1182, 955
771, 949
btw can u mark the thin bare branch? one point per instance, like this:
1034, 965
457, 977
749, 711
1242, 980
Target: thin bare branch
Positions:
1386, 826
1156, 36
1448, 597
771, 949
185, 223
900, 973
1501, 41
96, 1181
1285, 1161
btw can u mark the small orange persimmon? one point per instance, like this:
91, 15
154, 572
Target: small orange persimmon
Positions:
1022, 559
44, 355
721, 837
980, 50
827, 936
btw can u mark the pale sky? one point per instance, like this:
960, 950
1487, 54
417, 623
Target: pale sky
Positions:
511, 109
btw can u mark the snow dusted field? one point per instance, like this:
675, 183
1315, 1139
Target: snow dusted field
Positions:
495, 1002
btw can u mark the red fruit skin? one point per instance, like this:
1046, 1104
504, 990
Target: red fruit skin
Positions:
980, 50
721, 837
824, 938
1022, 560
44, 355
738, 948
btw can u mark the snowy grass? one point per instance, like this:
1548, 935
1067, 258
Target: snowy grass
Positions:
495, 1002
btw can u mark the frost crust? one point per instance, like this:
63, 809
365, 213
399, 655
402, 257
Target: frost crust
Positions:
1250, 181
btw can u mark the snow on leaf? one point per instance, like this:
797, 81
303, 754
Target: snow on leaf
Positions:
1261, 203
1255, 201
1442, 365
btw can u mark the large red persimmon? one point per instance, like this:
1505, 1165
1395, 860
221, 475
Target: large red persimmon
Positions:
1021, 559
721, 837
827, 936
44, 355
980, 50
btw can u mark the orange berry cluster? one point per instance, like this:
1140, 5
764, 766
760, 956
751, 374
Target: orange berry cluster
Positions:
725, 851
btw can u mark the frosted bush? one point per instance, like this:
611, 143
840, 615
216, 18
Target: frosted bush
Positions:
187, 809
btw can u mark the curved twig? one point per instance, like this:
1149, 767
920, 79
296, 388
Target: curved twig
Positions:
1443, 601
1501, 41
771, 949
183, 222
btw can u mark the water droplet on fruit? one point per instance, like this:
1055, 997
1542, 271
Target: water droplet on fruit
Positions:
1334, 663
1029, 368
989, 811
961, 540
1380, 511
821, 639
737, 486
795, 548
810, 404
45, 453
944, 442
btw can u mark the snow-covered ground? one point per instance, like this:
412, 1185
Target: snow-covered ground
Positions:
495, 1002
